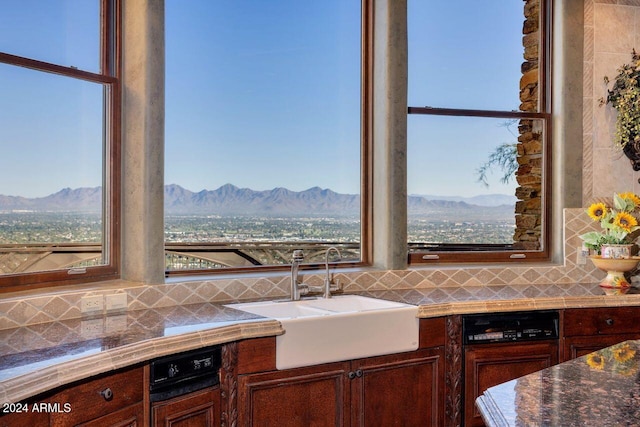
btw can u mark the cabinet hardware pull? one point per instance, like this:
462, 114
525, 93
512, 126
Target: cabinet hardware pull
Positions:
609, 322
107, 394
355, 374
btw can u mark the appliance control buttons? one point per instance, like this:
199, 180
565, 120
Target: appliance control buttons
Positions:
173, 370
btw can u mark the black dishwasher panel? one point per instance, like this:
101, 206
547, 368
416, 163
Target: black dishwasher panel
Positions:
183, 373
510, 327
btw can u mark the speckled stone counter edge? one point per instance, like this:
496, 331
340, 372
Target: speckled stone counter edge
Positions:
28, 385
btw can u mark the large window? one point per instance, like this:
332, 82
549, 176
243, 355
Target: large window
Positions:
478, 130
262, 132
59, 138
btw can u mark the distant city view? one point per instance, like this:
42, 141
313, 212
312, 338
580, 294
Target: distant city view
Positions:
232, 214
32, 227
274, 222
47, 227
207, 228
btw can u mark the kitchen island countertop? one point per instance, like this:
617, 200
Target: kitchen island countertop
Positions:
598, 389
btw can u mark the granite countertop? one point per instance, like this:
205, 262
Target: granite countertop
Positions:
599, 389
444, 301
40, 357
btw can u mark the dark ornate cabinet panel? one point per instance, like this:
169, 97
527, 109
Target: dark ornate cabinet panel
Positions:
197, 409
453, 377
489, 365
398, 390
403, 389
314, 396
590, 329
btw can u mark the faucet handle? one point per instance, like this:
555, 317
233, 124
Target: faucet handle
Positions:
331, 286
314, 289
335, 286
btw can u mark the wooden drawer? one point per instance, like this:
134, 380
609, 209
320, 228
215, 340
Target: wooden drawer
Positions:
601, 321
131, 416
91, 399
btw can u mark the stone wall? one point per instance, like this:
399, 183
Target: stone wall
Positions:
530, 141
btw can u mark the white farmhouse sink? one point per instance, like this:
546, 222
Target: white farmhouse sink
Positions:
279, 310
340, 328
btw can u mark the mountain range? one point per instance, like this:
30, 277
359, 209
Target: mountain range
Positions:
65, 200
231, 200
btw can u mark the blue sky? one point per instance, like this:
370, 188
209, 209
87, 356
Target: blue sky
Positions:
261, 94
461, 60
50, 126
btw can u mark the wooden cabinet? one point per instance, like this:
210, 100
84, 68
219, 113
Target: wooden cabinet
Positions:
197, 409
493, 364
398, 390
109, 400
405, 389
314, 396
590, 329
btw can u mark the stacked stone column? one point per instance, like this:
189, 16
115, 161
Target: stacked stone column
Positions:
528, 209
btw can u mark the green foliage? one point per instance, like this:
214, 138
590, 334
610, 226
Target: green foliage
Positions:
504, 157
624, 96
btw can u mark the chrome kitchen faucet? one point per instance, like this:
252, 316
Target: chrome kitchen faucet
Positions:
297, 288
329, 286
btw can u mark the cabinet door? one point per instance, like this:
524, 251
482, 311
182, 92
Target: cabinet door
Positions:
590, 329
579, 346
489, 365
403, 390
198, 409
303, 397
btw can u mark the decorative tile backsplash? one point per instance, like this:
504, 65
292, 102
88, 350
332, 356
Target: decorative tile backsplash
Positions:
40, 307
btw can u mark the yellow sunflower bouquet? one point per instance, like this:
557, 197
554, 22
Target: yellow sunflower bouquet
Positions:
619, 358
618, 222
